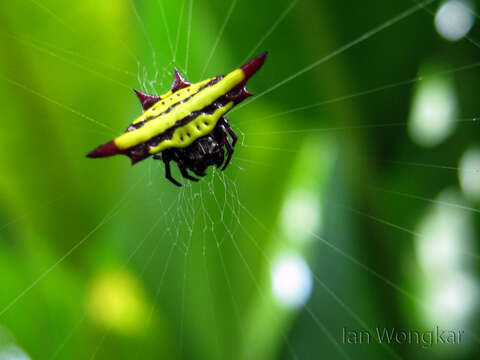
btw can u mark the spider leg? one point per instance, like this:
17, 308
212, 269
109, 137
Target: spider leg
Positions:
223, 133
168, 173
202, 174
184, 172
233, 135
228, 129
223, 130
229, 153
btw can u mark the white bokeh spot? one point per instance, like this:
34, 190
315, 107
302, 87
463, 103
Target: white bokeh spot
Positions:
291, 281
469, 173
444, 236
434, 111
454, 19
301, 215
12, 352
444, 242
453, 300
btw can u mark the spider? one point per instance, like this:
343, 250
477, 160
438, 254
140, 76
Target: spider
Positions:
187, 124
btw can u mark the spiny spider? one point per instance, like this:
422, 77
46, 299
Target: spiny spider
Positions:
187, 124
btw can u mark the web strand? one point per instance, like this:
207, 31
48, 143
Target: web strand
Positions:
341, 50
56, 103
219, 37
365, 92
105, 220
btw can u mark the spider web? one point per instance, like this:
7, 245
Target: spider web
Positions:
210, 233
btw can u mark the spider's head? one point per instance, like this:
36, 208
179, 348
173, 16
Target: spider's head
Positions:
202, 154
207, 152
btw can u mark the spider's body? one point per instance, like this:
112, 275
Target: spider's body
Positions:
187, 124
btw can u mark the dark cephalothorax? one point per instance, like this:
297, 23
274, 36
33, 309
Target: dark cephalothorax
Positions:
202, 153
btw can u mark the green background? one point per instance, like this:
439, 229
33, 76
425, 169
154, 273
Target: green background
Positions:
102, 260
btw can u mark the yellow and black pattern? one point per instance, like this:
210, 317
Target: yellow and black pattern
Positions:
183, 115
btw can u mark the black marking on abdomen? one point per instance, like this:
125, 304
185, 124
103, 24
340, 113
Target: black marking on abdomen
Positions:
171, 108
142, 151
